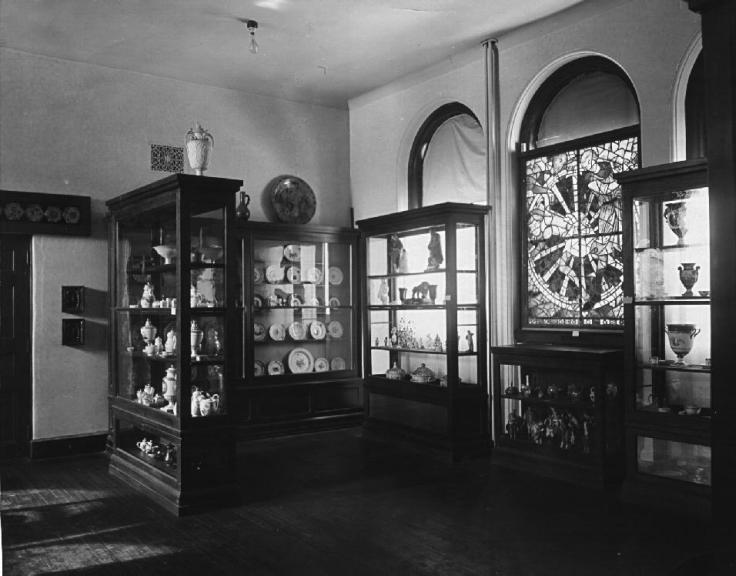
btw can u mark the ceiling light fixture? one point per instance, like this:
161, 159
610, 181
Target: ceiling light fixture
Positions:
252, 26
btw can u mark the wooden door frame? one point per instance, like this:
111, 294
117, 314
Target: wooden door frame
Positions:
23, 427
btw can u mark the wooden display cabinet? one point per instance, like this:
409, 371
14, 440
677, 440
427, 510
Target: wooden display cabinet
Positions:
559, 412
172, 339
425, 326
667, 309
300, 363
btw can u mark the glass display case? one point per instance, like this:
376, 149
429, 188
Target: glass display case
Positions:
425, 325
172, 335
668, 316
301, 354
558, 412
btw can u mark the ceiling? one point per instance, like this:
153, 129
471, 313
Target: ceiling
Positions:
321, 51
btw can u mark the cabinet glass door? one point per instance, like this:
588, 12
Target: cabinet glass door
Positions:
302, 308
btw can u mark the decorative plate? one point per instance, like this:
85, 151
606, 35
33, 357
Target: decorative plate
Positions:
275, 368
14, 211
71, 215
257, 275
300, 360
259, 368
334, 301
334, 329
321, 365
294, 274
314, 275
317, 330
293, 200
295, 301
259, 332
335, 276
274, 274
292, 253
257, 302
337, 363
277, 332
34, 213
53, 214
297, 331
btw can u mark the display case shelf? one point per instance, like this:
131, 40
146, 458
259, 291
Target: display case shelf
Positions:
667, 310
424, 281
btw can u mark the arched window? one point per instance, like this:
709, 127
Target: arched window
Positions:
448, 158
695, 111
581, 127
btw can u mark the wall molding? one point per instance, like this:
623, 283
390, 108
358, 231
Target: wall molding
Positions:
68, 446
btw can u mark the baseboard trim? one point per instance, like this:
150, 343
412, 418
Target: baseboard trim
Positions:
68, 446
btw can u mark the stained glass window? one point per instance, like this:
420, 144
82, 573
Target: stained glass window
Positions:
574, 257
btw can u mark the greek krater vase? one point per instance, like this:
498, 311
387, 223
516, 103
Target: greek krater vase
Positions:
199, 144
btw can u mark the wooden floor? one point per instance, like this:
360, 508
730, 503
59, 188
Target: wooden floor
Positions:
338, 503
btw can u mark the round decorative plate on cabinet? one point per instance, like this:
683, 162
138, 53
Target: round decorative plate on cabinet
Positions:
297, 331
317, 330
337, 363
274, 274
294, 274
335, 276
321, 365
334, 329
259, 368
293, 200
259, 332
277, 332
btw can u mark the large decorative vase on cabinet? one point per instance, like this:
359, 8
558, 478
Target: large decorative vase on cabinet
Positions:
667, 316
173, 335
300, 363
425, 326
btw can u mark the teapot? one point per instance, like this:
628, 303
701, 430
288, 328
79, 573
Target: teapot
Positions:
209, 405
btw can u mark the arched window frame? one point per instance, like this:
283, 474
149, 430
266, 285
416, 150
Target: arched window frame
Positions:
529, 132
695, 137
415, 177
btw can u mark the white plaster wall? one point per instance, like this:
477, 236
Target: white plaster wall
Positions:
73, 128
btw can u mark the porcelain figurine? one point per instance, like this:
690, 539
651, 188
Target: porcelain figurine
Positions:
196, 395
435, 251
395, 248
403, 261
383, 292
688, 277
147, 298
170, 345
469, 340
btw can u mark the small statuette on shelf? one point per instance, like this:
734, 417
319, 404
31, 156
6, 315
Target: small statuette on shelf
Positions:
383, 296
403, 262
395, 248
435, 251
170, 345
147, 297
469, 340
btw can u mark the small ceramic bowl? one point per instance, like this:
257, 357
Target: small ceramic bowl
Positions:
704, 293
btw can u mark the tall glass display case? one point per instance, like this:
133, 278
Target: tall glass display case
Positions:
300, 366
425, 325
668, 315
172, 334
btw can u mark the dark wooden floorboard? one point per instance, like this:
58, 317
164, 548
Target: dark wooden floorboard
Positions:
337, 503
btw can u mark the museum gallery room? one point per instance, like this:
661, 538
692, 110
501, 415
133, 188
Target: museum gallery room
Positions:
367, 288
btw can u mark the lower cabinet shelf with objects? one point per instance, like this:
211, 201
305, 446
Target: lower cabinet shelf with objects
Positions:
558, 412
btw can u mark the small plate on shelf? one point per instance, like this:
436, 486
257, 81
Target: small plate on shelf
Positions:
274, 274
321, 365
292, 253
334, 329
317, 330
293, 274
259, 332
275, 368
295, 301
257, 302
337, 363
335, 276
313, 275
334, 301
277, 332
297, 331
257, 275
300, 360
